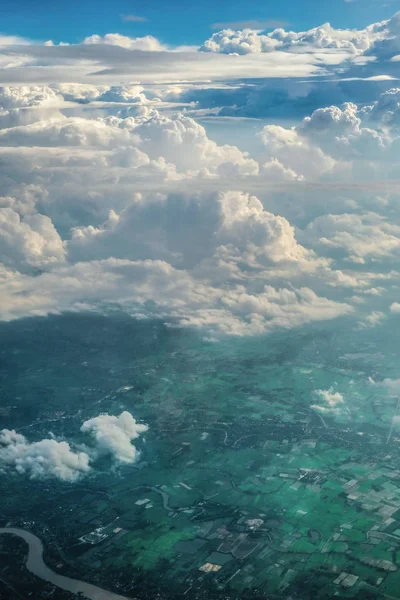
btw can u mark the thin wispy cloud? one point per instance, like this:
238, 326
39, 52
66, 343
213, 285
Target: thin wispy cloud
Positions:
134, 19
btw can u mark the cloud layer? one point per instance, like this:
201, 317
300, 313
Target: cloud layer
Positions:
244, 51
118, 188
75, 232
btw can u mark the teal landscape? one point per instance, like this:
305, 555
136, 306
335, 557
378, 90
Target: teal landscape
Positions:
269, 469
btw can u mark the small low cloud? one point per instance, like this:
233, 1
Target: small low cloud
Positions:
41, 460
330, 397
392, 386
113, 435
373, 319
330, 401
250, 24
134, 19
50, 458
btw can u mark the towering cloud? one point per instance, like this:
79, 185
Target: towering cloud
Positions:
30, 241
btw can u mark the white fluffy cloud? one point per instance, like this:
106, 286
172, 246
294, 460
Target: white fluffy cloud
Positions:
147, 42
245, 41
186, 229
155, 287
331, 401
31, 241
395, 308
294, 151
64, 131
22, 105
51, 458
28, 96
335, 142
322, 37
114, 435
361, 237
340, 131
373, 320
38, 460
330, 397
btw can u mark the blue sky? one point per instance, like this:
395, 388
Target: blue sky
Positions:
176, 21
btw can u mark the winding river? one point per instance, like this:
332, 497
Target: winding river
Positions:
36, 565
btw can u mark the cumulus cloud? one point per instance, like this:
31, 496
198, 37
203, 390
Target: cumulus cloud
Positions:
66, 132
28, 96
31, 241
49, 458
386, 110
43, 459
325, 36
147, 42
330, 397
182, 141
186, 229
294, 151
245, 41
335, 142
22, 105
387, 43
392, 386
114, 435
331, 401
339, 130
373, 319
360, 237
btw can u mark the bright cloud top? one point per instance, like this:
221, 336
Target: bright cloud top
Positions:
51, 458
247, 41
113, 435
